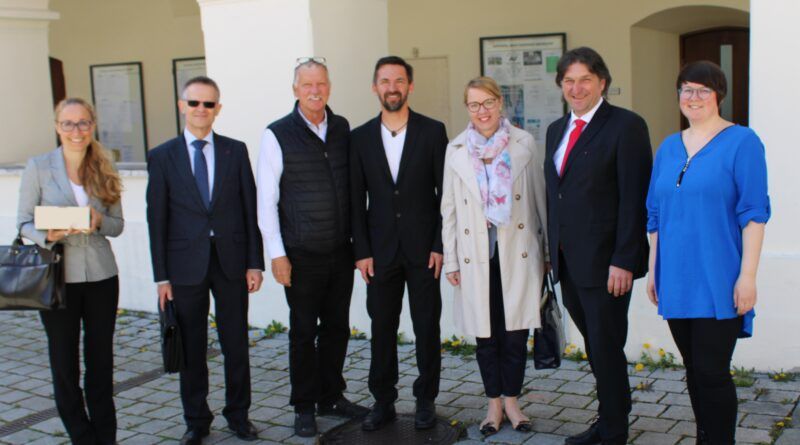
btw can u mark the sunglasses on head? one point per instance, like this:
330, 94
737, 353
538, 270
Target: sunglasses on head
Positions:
196, 103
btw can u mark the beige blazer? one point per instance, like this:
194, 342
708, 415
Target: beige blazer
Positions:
86, 257
521, 243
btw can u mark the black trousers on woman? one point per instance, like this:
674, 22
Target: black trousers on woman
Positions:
95, 305
706, 345
501, 357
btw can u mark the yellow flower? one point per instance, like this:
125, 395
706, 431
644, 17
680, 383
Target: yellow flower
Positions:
354, 331
733, 372
584, 356
639, 367
646, 345
453, 422
213, 324
661, 352
456, 343
639, 386
783, 374
780, 424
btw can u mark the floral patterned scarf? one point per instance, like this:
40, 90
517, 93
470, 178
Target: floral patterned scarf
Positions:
495, 188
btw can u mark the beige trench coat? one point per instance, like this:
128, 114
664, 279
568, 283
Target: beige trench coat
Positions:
521, 243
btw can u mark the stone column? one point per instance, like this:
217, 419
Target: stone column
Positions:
26, 119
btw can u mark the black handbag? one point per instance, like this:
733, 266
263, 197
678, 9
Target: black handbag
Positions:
31, 277
549, 340
171, 342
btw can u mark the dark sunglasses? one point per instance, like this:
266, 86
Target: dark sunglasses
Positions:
196, 103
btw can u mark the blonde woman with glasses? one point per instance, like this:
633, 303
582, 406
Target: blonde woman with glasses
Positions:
79, 173
493, 226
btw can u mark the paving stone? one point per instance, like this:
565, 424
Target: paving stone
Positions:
572, 401
752, 435
540, 396
577, 388
653, 424
684, 428
669, 386
647, 409
789, 437
575, 415
758, 421
767, 408
571, 428
647, 396
678, 413
507, 435
23, 437
544, 425
675, 399
651, 438
566, 374
541, 411
547, 384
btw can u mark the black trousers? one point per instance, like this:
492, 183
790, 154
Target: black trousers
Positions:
602, 319
230, 304
706, 345
502, 356
95, 305
384, 304
319, 322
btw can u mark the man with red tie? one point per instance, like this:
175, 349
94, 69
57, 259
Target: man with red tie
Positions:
597, 169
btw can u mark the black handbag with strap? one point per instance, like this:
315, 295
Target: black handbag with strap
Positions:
31, 277
171, 342
549, 340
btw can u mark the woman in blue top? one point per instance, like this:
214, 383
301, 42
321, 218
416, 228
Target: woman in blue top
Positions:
707, 206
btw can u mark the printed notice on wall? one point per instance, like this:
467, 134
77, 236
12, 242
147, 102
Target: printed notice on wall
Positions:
525, 69
118, 97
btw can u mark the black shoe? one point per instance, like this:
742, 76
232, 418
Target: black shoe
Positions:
589, 437
305, 425
194, 436
426, 415
343, 408
246, 431
379, 415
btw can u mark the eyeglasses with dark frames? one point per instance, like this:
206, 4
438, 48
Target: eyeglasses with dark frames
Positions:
206, 104
82, 125
490, 104
689, 92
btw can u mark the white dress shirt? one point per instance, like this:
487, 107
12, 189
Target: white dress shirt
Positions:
268, 179
393, 146
558, 156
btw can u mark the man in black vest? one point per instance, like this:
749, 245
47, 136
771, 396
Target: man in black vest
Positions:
304, 216
397, 161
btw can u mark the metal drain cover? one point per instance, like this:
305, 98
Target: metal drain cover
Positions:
401, 431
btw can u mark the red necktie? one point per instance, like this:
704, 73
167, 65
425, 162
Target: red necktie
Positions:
573, 138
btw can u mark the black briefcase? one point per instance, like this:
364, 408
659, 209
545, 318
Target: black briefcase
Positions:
31, 277
549, 340
171, 342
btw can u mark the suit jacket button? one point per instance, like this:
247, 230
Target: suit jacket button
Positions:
524, 254
397, 192
397, 215
466, 231
559, 196
465, 202
521, 226
517, 196
466, 260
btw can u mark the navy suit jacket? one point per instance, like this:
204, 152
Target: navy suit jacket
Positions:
180, 224
596, 212
402, 216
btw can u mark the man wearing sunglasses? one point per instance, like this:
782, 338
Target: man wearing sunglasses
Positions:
304, 215
201, 212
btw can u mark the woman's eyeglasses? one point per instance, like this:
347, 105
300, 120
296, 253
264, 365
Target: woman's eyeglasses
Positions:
489, 104
689, 92
82, 125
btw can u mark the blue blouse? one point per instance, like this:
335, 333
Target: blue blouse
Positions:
699, 208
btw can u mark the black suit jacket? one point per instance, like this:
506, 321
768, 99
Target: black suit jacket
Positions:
404, 216
596, 211
180, 224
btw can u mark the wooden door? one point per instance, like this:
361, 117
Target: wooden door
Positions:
730, 49
57, 80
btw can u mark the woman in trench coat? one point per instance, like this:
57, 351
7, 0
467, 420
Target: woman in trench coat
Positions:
493, 231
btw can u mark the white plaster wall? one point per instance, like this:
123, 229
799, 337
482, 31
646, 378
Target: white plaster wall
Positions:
776, 339
26, 117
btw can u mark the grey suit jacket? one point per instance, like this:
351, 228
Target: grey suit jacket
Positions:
86, 257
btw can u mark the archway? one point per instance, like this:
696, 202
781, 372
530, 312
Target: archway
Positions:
655, 60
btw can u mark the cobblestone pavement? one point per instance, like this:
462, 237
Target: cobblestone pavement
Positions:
560, 402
